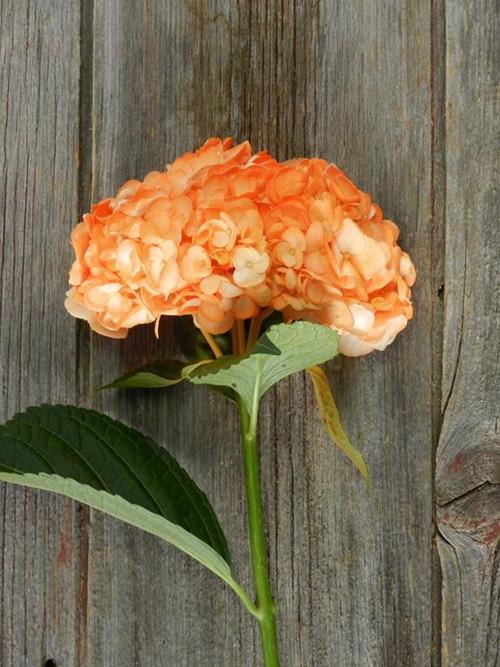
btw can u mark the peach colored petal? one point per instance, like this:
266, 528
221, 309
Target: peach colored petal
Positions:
212, 318
244, 307
194, 263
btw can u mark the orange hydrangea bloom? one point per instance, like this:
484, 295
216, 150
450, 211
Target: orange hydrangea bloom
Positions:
336, 261
223, 233
185, 241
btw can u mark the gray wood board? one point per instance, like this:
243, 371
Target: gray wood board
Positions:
400, 96
342, 557
468, 457
41, 547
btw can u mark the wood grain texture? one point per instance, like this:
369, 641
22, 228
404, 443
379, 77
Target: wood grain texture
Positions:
468, 457
40, 557
352, 566
149, 605
401, 95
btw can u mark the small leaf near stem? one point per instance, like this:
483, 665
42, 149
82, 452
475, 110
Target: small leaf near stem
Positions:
152, 376
283, 349
331, 419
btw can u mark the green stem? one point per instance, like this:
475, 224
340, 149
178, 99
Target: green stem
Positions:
265, 603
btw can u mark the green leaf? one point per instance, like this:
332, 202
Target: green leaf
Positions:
99, 461
282, 350
161, 375
153, 376
331, 419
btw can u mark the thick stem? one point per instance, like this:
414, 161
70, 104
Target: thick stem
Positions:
265, 603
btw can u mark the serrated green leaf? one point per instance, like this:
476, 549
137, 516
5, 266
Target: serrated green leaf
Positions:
152, 376
331, 419
99, 461
282, 350
104, 455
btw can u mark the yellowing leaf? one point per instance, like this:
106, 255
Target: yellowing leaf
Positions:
331, 418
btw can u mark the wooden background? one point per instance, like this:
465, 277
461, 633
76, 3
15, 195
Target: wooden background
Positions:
403, 94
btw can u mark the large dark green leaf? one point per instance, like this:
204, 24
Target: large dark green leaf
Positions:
107, 456
101, 462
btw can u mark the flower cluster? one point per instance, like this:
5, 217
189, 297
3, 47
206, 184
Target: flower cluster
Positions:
224, 233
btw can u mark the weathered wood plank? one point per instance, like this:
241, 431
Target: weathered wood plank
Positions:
351, 566
468, 459
369, 551
148, 604
40, 559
